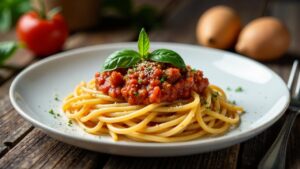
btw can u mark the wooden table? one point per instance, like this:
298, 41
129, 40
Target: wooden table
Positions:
23, 146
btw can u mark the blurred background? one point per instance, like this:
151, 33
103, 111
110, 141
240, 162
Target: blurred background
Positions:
95, 21
264, 30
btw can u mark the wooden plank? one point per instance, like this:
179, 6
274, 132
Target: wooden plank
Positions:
254, 149
212, 160
37, 150
293, 152
12, 126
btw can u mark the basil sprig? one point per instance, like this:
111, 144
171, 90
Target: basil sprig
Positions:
167, 56
143, 43
121, 59
127, 58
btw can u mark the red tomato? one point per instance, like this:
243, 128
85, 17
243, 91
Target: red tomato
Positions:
42, 36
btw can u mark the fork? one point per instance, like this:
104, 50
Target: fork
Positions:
275, 156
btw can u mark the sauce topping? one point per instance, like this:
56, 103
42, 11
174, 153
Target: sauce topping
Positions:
151, 82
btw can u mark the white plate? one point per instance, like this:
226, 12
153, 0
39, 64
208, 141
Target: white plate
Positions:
265, 97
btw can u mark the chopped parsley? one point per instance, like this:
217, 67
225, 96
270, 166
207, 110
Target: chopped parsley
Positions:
149, 69
70, 123
228, 88
215, 94
56, 97
51, 112
233, 102
239, 89
136, 94
140, 81
55, 115
203, 101
207, 106
163, 79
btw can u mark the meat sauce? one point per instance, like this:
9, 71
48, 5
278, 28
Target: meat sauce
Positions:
151, 82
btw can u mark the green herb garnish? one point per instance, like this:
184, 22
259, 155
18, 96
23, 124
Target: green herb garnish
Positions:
143, 43
70, 123
215, 94
239, 89
163, 79
128, 58
140, 81
136, 94
167, 56
149, 69
51, 112
203, 101
55, 115
121, 59
228, 88
56, 97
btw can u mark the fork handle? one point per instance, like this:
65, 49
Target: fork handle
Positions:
275, 157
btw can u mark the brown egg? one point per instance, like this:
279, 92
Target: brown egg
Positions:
218, 27
264, 39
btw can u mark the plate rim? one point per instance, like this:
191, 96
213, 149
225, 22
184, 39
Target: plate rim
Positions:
216, 140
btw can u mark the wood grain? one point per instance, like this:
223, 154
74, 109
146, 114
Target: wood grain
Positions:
37, 150
212, 160
293, 152
12, 126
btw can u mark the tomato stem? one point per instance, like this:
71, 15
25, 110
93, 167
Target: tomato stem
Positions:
42, 10
53, 12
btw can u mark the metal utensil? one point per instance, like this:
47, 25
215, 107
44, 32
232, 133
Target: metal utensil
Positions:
275, 156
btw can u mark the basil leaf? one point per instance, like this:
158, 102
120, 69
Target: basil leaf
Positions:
121, 59
143, 43
167, 56
6, 50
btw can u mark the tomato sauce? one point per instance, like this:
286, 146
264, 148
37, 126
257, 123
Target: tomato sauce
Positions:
151, 82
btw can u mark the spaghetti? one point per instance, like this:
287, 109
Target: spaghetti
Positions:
181, 120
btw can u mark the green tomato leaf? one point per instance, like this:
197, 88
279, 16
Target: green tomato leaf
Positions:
6, 50
5, 20
167, 56
121, 59
143, 43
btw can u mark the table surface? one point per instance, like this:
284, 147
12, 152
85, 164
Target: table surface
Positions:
23, 146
